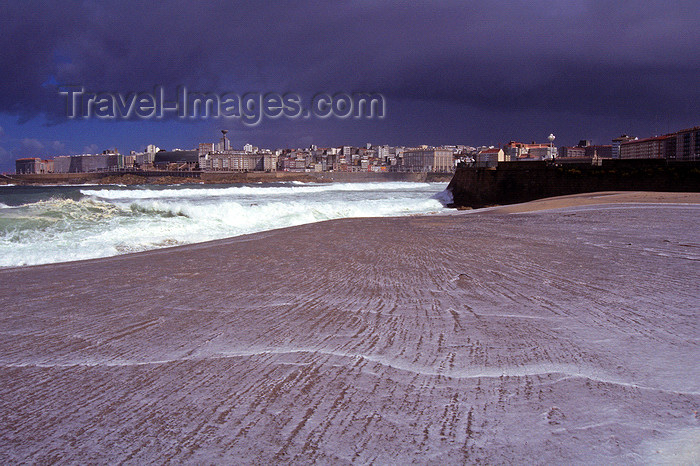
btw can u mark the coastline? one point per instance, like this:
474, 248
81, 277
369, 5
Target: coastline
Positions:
49, 224
476, 337
154, 177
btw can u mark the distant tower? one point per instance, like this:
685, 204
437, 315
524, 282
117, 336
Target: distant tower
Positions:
551, 138
225, 143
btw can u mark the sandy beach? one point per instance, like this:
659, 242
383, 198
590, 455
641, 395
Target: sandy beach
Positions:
600, 198
558, 331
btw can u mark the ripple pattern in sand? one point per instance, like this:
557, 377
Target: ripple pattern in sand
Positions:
492, 338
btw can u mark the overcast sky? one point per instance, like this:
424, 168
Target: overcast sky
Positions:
460, 72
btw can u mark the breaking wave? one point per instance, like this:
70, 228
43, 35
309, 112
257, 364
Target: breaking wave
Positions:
292, 188
114, 220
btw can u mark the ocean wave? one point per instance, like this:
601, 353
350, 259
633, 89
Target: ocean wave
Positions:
62, 207
303, 188
88, 209
91, 226
445, 197
160, 210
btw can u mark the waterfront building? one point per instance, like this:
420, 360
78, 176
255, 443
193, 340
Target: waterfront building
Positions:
27, 165
176, 160
515, 150
616, 145
490, 157
238, 161
541, 152
62, 164
128, 161
584, 152
602, 151
88, 163
647, 148
681, 145
575, 151
364, 163
33, 166
520, 151
383, 153
687, 145
347, 152
428, 160
205, 147
292, 163
143, 160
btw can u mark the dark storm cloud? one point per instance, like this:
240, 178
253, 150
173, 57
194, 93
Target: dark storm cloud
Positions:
598, 58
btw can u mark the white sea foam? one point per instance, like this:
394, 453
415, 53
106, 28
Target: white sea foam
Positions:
445, 197
300, 188
106, 222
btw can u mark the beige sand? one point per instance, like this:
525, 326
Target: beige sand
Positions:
485, 338
600, 198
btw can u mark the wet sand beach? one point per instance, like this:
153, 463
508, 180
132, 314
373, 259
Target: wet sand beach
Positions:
558, 331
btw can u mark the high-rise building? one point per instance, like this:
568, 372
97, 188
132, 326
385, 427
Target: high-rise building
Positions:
687, 144
681, 145
647, 148
616, 145
225, 143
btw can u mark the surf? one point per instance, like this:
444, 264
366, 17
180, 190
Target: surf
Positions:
75, 223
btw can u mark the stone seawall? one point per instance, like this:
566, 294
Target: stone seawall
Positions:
514, 182
121, 177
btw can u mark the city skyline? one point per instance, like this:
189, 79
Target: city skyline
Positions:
478, 74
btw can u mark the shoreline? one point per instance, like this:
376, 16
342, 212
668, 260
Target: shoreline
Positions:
166, 178
558, 203
100, 220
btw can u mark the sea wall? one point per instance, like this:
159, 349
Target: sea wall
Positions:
123, 177
514, 182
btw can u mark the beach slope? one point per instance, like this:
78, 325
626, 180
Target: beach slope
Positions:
518, 336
